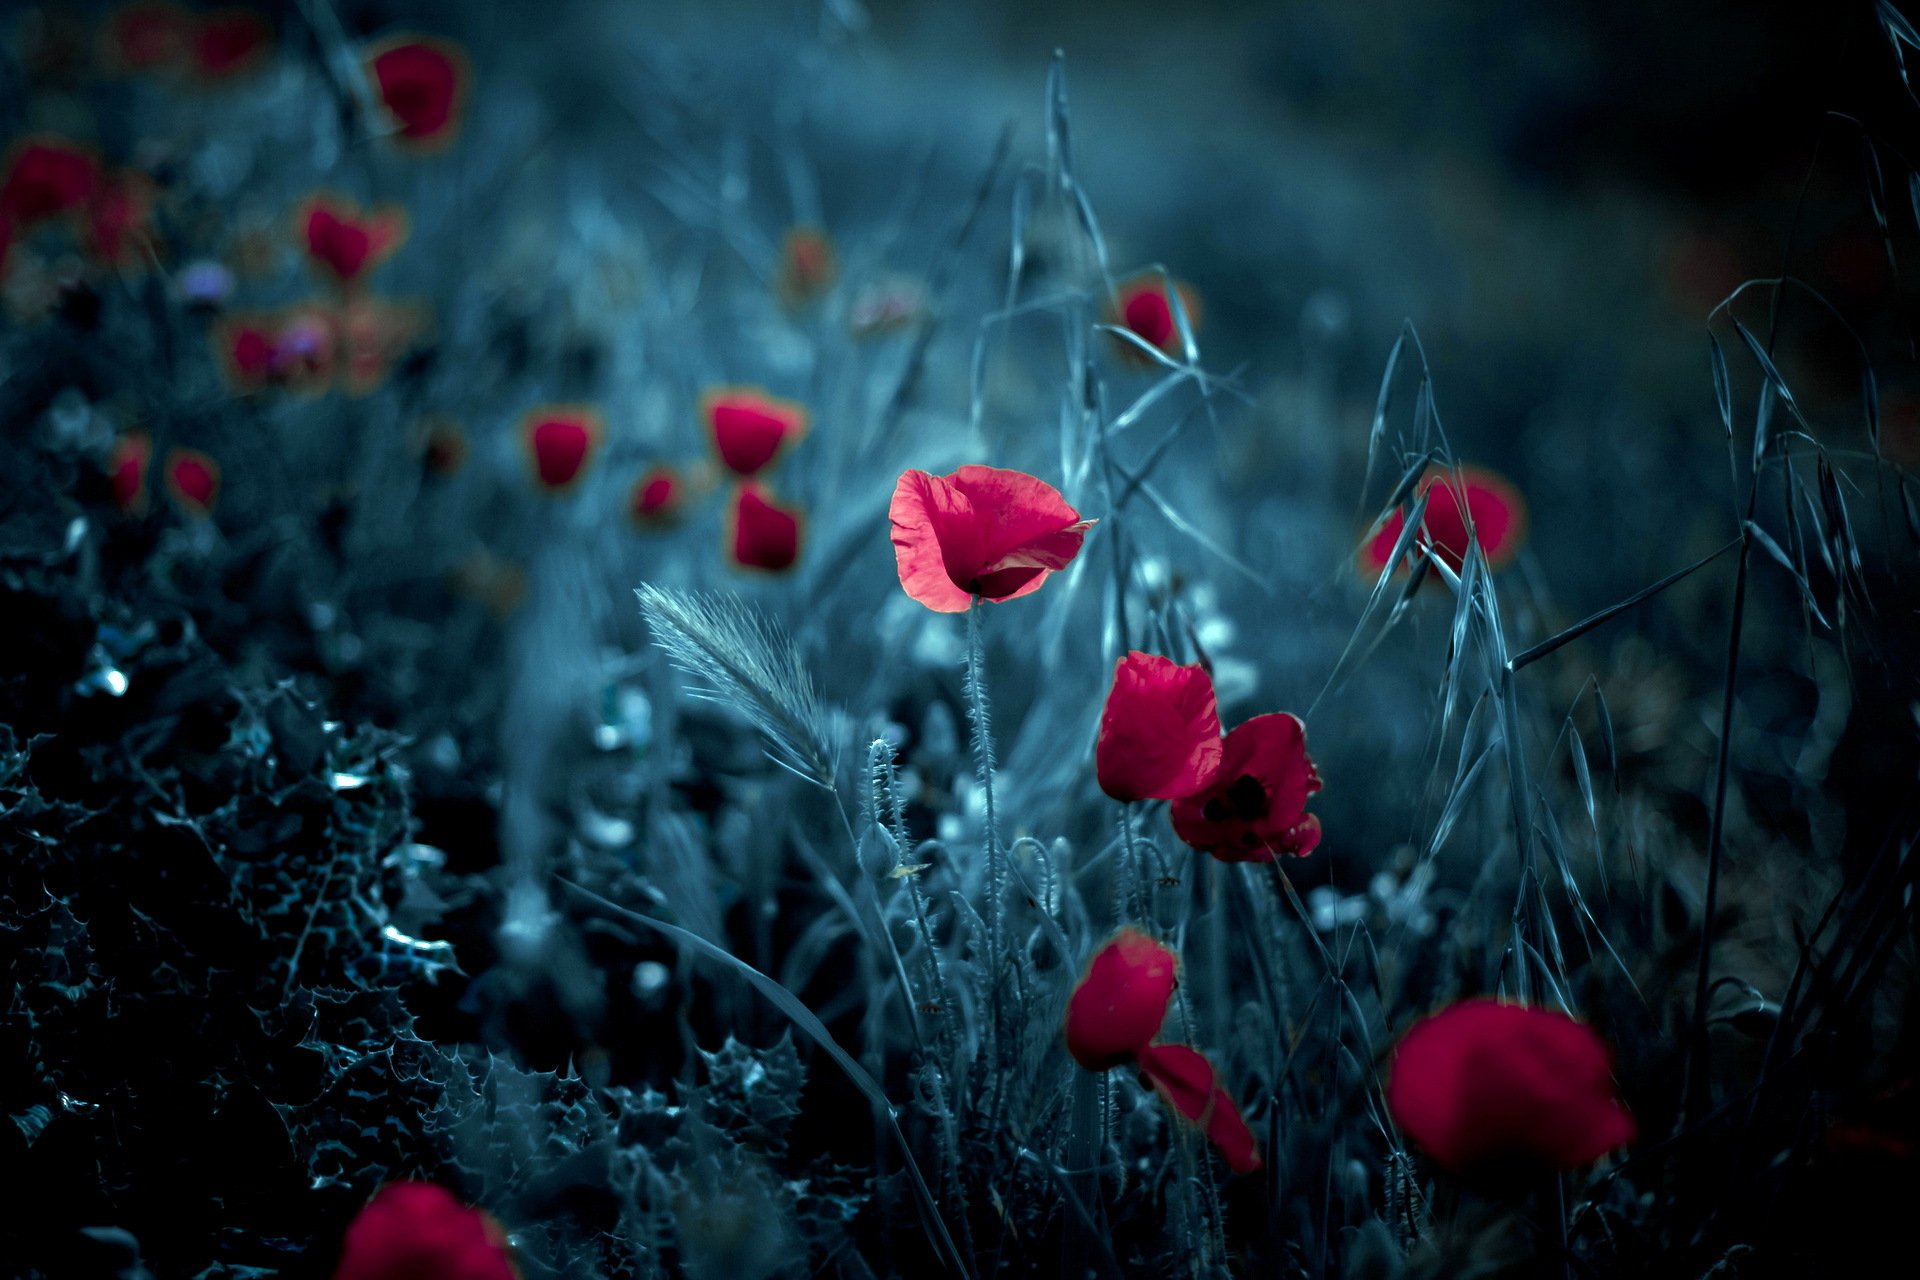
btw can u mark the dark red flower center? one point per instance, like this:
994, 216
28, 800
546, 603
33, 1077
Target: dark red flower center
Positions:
1242, 800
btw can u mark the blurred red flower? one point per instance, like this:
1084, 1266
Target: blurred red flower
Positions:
656, 495
981, 531
750, 428
127, 470
193, 480
229, 42
1499, 521
117, 230
760, 533
1484, 1083
342, 240
560, 440
248, 350
147, 37
419, 1231
1142, 306
1119, 1003
808, 266
1159, 732
46, 177
1188, 1081
1255, 806
421, 82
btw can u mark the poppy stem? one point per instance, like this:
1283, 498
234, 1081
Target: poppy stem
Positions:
979, 715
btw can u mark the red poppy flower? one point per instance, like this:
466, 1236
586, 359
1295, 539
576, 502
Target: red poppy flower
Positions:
760, 533
147, 37
193, 480
1142, 306
46, 177
228, 42
1119, 1003
248, 350
411, 1230
750, 428
342, 240
421, 82
1159, 732
560, 440
656, 495
1484, 1083
1187, 1080
127, 470
981, 531
1499, 521
116, 230
1255, 806
807, 265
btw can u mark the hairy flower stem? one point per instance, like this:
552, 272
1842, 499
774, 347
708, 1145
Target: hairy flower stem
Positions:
1127, 881
979, 715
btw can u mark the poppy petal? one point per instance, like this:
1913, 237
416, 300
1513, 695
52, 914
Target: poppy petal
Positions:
560, 442
193, 481
656, 495
750, 428
1189, 1083
420, 82
1255, 806
933, 533
412, 1229
762, 534
1119, 1003
1159, 731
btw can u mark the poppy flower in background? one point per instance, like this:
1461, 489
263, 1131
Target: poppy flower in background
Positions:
1189, 1083
1499, 521
421, 81
345, 242
751, 428
412, 1230
1116, 1010
1159, 731
147, 37
1255, 806
248, 347
46, 177
1119, 1003
127, 470
1484, 1083
229, 42
981, 531
560, 440
760, 533
808, 266
193, 480
1143, 308
116, 229
656, 495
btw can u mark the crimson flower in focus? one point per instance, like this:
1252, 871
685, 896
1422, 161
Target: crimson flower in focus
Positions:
1114, 1013
193, 480
981, 531
1485, 1084
229, 42
560, 440
1143, 307
419, 1231
1160, 730
421, 82
751, 428
656, 495
1499, 521
1255, 806
345, 242
127, 470
46, 177
760, 533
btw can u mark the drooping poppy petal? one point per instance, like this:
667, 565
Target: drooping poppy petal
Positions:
1119, 1003
981, 531
1485, 1083
193, 480
1499, 521
229, 42
808, 266
750, 428
345, 242
560, 440
760, 533
1159, 731
414, 1230
656, 495
1191, 1086
46, 177
421, 81
1144, 307
1255, 806
147, 37
127, 470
